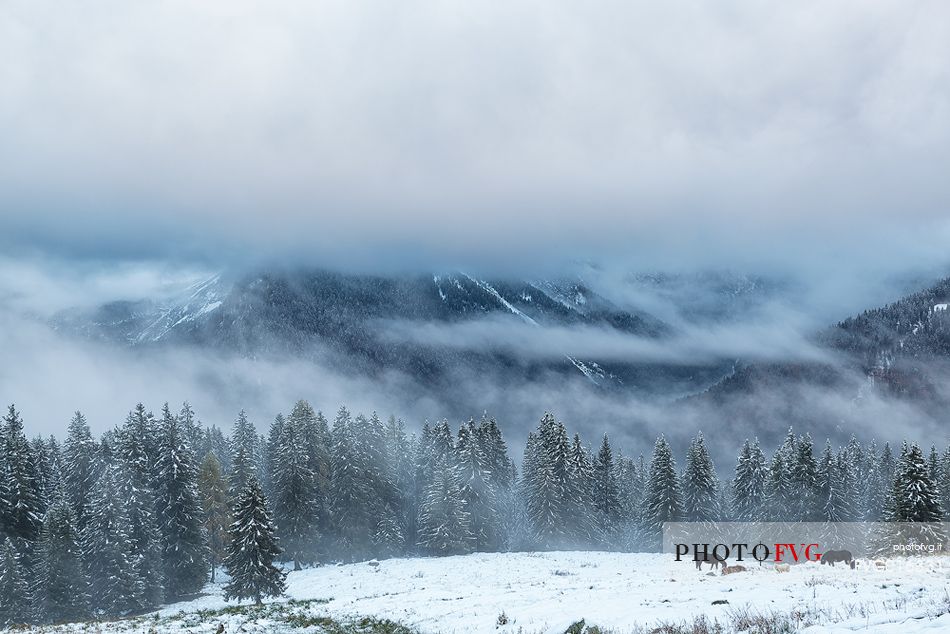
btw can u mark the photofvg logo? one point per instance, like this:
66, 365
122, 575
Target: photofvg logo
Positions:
917, 548
790, 543
741, 552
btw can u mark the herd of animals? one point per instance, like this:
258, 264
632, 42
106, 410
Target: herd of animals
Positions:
830, 558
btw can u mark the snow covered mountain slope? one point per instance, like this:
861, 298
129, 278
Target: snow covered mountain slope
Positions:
884, 371
338, 319
508, 593
151, 320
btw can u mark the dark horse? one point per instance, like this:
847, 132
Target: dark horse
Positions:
834, 556
708, 558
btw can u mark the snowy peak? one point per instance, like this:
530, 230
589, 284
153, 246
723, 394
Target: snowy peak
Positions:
196, 302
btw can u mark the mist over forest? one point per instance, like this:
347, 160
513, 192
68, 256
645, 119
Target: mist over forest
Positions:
731, 354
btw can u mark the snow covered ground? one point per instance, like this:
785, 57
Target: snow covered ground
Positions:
547, 592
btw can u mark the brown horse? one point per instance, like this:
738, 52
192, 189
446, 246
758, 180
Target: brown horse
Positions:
708, 558
832, 557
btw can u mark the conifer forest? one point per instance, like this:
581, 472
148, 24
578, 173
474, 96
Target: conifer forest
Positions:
152, 509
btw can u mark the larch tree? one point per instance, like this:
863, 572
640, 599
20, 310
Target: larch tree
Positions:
215, 512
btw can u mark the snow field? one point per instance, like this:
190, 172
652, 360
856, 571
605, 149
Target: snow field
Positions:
621, 592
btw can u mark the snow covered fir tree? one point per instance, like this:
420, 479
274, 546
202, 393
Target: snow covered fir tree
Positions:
152, 509
252, 549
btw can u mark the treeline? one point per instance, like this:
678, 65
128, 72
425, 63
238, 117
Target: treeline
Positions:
146, 513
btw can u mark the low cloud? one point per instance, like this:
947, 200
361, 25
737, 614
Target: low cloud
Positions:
49, 374
689, 346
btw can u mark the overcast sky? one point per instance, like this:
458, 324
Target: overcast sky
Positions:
496, 133
145, 144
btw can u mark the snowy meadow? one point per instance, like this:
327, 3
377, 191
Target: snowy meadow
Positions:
512, 593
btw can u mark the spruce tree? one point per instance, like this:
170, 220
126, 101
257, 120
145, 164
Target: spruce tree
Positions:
848, 470
216, 515
444, 522
700, 485
630, 486
830, 488
806, 506
872, 487
349, 493
243, 445
880, 496
781, 489
548, 492
399, 456
252, 550
377, 472
48, 469
388, 538
22, 504
477, 490
272, 451
184, 556
142, 423
914, 494
16, 600
107, 550
191, 427
501, 477
496, 452
61, 585
663, 501
933, 464
422, 467
317, 441
295, 498
749, 485
944, 484
579, 503
607, 507
79, 454
136, 488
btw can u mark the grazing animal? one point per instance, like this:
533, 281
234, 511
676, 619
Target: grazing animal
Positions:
782, 567
880, 564
728, 570
832, 557
710, 559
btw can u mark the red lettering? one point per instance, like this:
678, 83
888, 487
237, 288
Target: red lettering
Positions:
794, 553
779, 551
